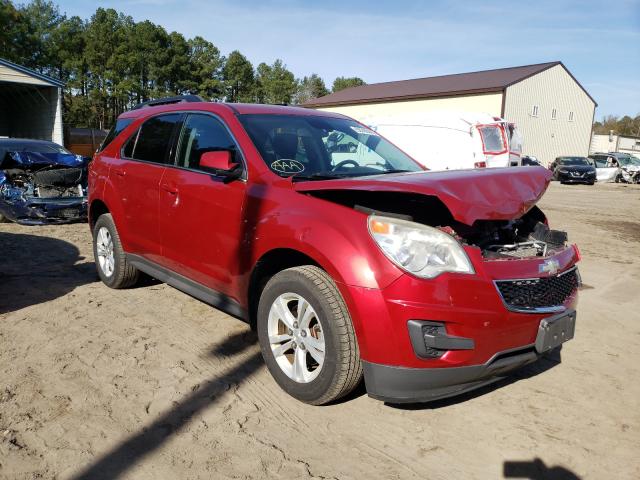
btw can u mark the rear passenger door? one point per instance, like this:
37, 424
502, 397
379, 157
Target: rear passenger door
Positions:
138, 174
201, 216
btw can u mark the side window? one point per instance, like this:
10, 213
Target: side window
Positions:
200, 134
153, 139
601, 163
127, 151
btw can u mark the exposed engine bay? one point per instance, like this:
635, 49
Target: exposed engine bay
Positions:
49, 182
527, 236
36, 190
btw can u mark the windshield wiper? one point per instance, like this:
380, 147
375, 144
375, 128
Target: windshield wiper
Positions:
316, 176
395, 171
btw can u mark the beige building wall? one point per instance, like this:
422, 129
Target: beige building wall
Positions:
490, 103
544, 136
602, 143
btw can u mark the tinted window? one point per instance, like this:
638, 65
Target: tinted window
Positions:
200, 134
115, 131
154, 139
127, 151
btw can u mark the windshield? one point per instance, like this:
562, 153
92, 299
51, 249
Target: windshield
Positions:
323, 147
573, 161
624, 161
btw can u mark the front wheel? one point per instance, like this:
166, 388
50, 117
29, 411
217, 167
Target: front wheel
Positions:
306, 336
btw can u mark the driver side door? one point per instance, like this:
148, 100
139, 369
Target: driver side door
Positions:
201, 217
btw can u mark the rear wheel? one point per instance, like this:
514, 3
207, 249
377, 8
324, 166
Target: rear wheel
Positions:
306, 336
111, 262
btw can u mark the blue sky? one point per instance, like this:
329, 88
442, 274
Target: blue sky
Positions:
599, 41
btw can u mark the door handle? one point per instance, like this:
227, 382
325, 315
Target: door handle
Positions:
172, 189
119, 172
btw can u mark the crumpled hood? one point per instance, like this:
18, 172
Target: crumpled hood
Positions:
29, 159
470, 195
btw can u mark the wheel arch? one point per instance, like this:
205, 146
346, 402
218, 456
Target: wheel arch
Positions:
96, 208
269, 264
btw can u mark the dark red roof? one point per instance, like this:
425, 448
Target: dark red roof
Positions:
486, 81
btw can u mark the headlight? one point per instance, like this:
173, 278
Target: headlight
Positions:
418, 249
562, 170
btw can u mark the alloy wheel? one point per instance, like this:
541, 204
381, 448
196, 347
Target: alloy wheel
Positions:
296, 337
104, 249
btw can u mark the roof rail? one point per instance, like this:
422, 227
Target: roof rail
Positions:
170, 100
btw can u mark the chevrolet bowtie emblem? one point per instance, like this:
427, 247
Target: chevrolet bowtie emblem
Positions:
550, 266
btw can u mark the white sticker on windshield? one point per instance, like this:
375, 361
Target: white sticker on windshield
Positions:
287, 166
363, 131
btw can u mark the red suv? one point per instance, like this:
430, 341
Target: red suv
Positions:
347, 257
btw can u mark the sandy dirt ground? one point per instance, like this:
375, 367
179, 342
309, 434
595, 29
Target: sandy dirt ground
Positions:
149, 383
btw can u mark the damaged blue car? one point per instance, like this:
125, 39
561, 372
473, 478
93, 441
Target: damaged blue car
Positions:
41, 183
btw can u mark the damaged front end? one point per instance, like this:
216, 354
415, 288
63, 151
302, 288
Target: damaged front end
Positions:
42, 188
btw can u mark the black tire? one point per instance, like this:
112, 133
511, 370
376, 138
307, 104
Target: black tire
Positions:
60, 177
124, 274
342, 369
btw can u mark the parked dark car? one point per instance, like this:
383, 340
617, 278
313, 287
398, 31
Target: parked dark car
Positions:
573, 170
429, 284
41, 183
529, 161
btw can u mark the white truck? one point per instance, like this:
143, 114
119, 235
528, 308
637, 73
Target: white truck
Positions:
448, 140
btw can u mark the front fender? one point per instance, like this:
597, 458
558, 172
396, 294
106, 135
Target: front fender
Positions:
336, 237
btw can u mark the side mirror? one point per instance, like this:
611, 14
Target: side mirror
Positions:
218, 160
220, 163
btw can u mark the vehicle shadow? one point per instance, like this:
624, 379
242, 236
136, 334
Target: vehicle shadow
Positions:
536, 470
130, 452
544, 363
35, 269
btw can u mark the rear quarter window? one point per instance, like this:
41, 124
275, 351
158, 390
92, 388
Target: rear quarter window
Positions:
120, 125
152, 141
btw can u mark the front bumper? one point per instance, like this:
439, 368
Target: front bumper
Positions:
45, 211
469, 330
414, 385
584, 178
411, 385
